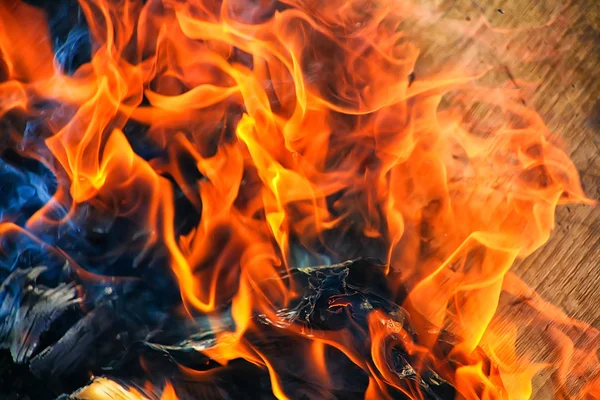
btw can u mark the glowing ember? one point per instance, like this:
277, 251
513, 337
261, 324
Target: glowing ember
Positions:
240, 151
105, 389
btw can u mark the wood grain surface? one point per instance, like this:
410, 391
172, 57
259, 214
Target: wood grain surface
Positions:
566, 271
556, 47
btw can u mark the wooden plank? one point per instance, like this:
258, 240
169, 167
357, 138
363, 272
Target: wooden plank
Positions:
567, 70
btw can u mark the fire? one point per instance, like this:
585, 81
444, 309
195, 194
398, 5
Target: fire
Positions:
107, 389
297, 128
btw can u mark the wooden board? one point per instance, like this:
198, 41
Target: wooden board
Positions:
564, 64
566, 271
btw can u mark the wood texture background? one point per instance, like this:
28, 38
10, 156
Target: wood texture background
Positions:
566, 270
566, 70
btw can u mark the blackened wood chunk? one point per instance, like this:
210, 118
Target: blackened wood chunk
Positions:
335, 297
17, 382
126, 320
29, 310
75, 347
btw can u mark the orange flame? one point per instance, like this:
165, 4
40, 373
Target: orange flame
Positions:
299, 123
107, 389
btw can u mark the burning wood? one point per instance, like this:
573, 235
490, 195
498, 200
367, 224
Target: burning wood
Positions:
193, 176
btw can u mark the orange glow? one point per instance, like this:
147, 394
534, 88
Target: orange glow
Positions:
296, 126
168, 393
106, 389
319, 358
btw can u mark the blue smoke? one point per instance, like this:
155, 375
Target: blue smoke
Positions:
74, 51
68, 32
26, 186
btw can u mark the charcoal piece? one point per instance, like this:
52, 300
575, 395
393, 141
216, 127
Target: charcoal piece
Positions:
37, 316
75, 347
29, 310
17, 382
11, 294
356, 286
336, 297
239, 377
44, 330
